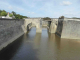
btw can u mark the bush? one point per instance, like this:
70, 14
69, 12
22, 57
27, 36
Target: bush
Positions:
46, 18
62, 17
10, 15
3, 13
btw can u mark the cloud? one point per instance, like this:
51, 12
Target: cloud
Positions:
41, 8
7, 6
66, 3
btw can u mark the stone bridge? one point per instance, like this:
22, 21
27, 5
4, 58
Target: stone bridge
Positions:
38, 23
33, 22
11, 29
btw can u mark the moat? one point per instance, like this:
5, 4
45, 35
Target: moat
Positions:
41, 46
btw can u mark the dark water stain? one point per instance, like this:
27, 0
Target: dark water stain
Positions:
41, 46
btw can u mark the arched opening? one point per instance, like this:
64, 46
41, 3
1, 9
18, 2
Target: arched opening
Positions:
31, 26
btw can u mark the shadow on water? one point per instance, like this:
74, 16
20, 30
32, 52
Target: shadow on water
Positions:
20, 49
58, 41
10, 50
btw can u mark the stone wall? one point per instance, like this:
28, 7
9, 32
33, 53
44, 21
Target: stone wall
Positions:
53, 27
44, 23
10, 29
71, 29
55, 20
59, 27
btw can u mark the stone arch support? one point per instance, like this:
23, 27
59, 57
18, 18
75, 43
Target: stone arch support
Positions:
35, 22
53, 27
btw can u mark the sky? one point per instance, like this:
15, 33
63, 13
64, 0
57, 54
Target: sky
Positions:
43, 8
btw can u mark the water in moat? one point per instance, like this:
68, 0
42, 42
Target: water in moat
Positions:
43, 46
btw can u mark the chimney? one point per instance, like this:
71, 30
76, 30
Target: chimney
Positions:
8, 13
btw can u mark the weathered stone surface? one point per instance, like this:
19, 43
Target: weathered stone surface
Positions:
55, 20
34, 21
53, 27
9, 31
59, 27
69, 29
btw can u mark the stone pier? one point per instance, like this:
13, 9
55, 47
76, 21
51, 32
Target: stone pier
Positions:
69, 28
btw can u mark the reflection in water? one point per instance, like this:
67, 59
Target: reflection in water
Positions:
37, 40
9, 52
45, 46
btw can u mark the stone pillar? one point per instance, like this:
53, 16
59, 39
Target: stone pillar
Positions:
52, 28
38, 28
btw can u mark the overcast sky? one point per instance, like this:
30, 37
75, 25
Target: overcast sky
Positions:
43, 8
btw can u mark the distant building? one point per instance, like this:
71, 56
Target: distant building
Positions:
2, 17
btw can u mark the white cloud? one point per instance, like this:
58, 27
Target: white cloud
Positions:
66, 3
7, 6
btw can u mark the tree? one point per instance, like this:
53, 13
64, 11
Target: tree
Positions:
17, 16
46, 18
3, 13
10, 15
62, 17
0, 12
14, 13
24, 17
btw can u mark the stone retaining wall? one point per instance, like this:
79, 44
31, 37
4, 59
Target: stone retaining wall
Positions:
10, 29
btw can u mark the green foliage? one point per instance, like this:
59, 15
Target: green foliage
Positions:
14, 13
17, 16
62, 17
3, 13
10, 15
46, 18
0, 12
